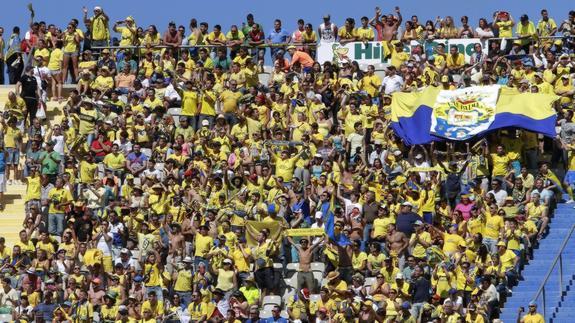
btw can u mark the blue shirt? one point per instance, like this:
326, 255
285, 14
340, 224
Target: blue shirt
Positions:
277, 37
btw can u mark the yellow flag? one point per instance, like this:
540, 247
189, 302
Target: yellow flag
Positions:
253, 228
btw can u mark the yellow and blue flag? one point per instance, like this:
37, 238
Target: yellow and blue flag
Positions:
420, 118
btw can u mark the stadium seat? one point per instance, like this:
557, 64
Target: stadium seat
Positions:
291, 269
272, 300
291, 283
266, 312
6, 318
318, 266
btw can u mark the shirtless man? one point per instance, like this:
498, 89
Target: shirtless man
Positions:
390, 25
397, 242
305, 252
187, 233
177, 242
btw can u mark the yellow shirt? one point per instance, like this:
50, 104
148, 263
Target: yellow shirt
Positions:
418, 248
365, 34
183, 281
203, 245
58, 196
11, 137
358, 260
500, 164
505, 28
493, 226
70, 45
451, 242
114, 162
285, 168
230, 101
380, 226
100, 28
128, 35
197, 311
209, 103
153, 272
533, 318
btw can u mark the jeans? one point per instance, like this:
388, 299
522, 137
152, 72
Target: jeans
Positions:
305, 277
2, 71
416, 309
230, 118
185, 297
366, 231
55, 223
491, 244
531, 158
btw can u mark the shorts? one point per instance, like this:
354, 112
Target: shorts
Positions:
2, 183
570, 177
72, 54
13, 156
55, 72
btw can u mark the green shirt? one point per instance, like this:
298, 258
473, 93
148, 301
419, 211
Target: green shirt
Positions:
50, 162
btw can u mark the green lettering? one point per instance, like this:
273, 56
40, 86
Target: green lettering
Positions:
361, 52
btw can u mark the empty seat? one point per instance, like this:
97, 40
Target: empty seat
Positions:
291, 283
272, 300
318, 266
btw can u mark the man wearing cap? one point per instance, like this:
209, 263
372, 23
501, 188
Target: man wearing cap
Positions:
532, 316
183, 281
298, 306
508, 261
300, 57
98, 26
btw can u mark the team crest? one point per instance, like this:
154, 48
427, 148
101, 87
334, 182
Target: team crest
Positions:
462, 114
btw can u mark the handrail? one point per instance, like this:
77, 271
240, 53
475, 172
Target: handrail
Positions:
558, 258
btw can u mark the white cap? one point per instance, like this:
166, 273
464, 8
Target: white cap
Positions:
406, 204
418, 156
318, 96
418, 222
399, 276
227, 261
124, 250
205, 123
97, 8
318, 214
187, 259
397, 153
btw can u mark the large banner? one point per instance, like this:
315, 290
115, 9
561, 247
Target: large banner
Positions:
372, 53
463, 113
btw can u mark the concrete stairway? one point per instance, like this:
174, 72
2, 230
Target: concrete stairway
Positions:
12, 217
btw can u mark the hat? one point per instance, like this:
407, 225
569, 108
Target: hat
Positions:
138, 279
129, 18
98, 8
227, 261
305, 293
533, 303
501, 244
565, 76
318, 96
563, 56
406, 305
399, 276
397, 153
418, 222
250, 278
326, 16
50, 281
318, 215
187, 259
205, 123
105, 51
111, 294
406, 204
377, 142
452, 291
157, 186
123, 309
445, 78
290, 47
418, 156
332, 276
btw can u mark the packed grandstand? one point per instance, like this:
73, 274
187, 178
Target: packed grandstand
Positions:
387, 169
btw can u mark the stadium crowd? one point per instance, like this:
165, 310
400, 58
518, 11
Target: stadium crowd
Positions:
171, 187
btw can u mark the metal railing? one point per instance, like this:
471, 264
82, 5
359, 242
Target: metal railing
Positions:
558, 260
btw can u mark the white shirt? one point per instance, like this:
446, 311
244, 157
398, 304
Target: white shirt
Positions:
105, 246
171, 93
392, 83
375, 155
499, 196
